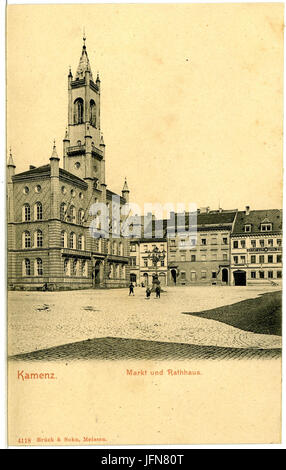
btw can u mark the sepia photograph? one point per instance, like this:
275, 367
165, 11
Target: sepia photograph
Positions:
144, 174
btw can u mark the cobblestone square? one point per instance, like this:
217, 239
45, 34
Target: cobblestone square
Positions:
41, 320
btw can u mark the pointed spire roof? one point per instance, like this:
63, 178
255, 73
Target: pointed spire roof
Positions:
55, 153
10, 160
84, 64
125, 186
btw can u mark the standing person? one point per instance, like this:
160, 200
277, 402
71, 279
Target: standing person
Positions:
131, 289
148, 292
158, 291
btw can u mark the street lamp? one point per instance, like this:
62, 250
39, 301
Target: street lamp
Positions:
156, 256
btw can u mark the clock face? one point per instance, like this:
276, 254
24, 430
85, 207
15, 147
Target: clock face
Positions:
77, 165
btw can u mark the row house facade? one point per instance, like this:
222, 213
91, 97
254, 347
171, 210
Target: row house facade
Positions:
55, 239
256, 247
148, 253
143, 268
205, 259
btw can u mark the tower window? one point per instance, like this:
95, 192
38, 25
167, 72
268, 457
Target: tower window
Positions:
92, 113
78, 111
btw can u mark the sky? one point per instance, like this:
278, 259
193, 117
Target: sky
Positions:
191, 96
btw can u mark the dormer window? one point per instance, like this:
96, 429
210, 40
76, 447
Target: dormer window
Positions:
266, 227
247, 228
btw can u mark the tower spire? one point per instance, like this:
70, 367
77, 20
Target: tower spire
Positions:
55, 153
10, 160
125, 186
84, 65
84, 38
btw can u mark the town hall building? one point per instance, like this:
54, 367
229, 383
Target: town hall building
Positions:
50, 243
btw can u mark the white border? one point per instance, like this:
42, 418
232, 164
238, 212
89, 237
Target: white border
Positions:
3, 368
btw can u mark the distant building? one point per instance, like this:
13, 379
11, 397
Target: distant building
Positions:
256, 247
150, 269
206, 261
50, 244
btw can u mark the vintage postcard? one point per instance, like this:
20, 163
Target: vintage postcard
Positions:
144, 223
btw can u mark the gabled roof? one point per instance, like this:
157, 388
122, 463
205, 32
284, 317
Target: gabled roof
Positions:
40, 171
256, 218
45, 172
109, 195
202, 222
216, 218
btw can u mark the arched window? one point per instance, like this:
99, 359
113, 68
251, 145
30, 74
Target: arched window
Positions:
38, 267
26, 267
38, 212
80, 216
26, 240
26, 213
92, 113
72, 214
72, 240
39, 238
74, 267
80, 242
117, 271
67, 271
78, 111
64, 239
84, 268
63, 208
120, 250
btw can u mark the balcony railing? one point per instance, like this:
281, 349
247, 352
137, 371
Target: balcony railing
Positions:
76, 149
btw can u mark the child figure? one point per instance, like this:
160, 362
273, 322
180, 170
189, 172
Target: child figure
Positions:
148, 292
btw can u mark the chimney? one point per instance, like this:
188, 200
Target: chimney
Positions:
247, 210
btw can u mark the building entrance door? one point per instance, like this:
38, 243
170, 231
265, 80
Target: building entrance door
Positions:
96, 277
224, 276
174, 275
239, 278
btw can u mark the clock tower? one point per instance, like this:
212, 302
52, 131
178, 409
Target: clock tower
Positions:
84, 149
